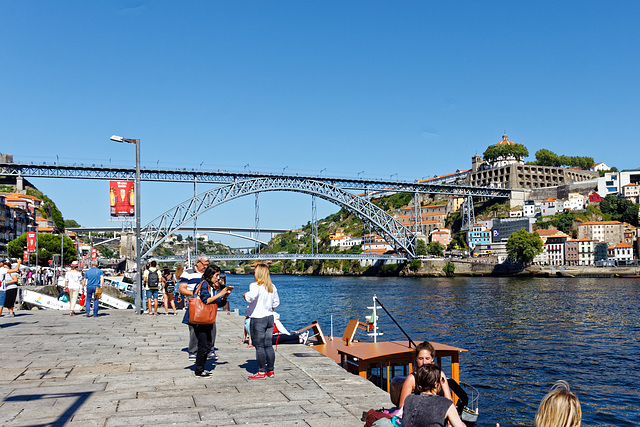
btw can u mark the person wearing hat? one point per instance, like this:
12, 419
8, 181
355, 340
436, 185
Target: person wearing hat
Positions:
73, 284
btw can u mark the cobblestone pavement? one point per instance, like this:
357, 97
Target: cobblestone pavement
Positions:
122, 369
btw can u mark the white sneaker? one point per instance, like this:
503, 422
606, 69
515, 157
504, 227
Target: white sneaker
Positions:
305, 337
213, 355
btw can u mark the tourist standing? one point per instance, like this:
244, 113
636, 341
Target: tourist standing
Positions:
93, 279
188, 281
262, 298
559, 408
5, 274
152, 279
169, 288
73, 283
11, 287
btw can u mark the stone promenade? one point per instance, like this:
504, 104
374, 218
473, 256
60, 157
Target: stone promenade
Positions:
122, 369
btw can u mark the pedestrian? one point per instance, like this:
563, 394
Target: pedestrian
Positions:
93, 279
188, 281
204, 332
152, 279
559, 408
73, 284
169, 287
262, 298
10, 286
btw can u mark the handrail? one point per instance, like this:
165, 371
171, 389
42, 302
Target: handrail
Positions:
397, 324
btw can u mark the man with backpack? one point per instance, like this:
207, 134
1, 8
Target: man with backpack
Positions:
152, 278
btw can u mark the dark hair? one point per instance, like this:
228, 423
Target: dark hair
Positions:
209, 272
166, 270
427, 378
153, 263
424, 345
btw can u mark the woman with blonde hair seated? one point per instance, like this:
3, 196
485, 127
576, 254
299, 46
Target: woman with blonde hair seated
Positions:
559, 408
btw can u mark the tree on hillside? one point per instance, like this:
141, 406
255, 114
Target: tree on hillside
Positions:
619, 209
497, 152
564, 222
545, 157
435, 248
522, 247
421, 247
71, 223
48, 245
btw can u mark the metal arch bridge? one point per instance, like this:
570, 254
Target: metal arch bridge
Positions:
396, 234
81, 171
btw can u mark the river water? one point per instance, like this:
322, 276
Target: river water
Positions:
522, 334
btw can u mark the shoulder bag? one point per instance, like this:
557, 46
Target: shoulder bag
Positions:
199, 312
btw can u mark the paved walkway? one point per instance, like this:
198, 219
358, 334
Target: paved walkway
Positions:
120, 369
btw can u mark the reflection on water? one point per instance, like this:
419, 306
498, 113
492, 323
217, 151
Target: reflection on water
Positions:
522, 334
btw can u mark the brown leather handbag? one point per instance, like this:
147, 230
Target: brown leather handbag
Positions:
199, 312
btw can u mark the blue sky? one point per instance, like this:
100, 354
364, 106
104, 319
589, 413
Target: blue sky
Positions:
413, 88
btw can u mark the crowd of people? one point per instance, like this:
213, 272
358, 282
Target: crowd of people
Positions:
425, 399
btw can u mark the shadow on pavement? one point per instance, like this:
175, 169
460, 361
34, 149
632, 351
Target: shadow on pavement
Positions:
65, 417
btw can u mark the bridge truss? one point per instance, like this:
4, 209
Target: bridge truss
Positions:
396, 234
293, 257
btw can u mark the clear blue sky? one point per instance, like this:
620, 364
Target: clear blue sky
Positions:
413, 87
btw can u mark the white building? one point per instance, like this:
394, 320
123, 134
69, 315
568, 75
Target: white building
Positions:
613, 182
600, 167
529, 209
621, 252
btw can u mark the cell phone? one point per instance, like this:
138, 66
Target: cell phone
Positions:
230, 287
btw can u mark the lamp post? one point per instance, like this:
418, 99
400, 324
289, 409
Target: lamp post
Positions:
138, 276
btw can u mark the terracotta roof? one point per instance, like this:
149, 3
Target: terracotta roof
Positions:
600, 223
623, 245
505, 141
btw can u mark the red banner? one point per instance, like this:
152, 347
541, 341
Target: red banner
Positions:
31, 241
94, 253
122, 200
25, 256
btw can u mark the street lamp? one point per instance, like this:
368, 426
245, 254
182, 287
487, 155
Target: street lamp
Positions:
138, 301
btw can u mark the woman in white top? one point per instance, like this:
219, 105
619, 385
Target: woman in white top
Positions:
7, 279
73, 283
262, 298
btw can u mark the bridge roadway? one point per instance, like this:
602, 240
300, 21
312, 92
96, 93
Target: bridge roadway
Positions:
293, 257
80, 171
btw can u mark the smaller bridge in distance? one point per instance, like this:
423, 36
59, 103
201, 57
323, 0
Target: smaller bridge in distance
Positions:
293, 257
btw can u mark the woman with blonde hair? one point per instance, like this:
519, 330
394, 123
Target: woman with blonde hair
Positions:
559, 408
262, 298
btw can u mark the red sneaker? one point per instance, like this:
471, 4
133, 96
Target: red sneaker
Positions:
258, 376
271, 374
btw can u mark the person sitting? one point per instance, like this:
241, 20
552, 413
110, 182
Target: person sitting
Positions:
423, 355
282, 336
424, 407
559, 408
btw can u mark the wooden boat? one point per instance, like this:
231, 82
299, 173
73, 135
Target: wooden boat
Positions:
387, 363
628, 276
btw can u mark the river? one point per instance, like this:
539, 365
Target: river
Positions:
522, 334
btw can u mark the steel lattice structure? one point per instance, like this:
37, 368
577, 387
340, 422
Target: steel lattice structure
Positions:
294, 257
224, 177
396, 234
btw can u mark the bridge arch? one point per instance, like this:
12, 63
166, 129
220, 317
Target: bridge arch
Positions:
396, 234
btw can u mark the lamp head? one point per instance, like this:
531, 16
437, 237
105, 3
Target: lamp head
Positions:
116, 138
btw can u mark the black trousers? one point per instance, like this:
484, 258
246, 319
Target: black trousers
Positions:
203, 335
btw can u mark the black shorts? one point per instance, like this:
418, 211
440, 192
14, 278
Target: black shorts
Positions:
10, 300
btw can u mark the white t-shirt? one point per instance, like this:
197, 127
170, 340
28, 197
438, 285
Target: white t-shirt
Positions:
3, 271
73, 279
261, 302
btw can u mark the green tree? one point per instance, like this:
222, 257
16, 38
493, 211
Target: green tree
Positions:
565, 221
435, 248
522, 247
48, 245
495, 152
421, 247
449, 269
71, 223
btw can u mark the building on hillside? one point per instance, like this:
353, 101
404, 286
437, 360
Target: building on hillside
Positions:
613, 182
594, 197
23, 201
7, 231
478, 234
543, 257
631, 192
431, 209
600, 167
529, 209
574, 202
503, 228
556, 248
371, 242
202, 236
427, 222
343, 241
621, 253
571, 252
454, 203
44, 225
587, 251
441, 235
549, 207
497, 250
516, 212
611, 232
511, 173
630, 233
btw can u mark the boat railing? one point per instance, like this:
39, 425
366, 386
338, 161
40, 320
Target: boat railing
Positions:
411, 343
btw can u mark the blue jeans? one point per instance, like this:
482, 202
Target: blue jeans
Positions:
91, 296
261, 336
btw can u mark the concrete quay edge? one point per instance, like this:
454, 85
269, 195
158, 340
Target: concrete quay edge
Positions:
123, 369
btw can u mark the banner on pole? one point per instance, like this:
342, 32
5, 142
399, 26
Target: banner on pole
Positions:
25, 256
122, 199
94, 253
31, 241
